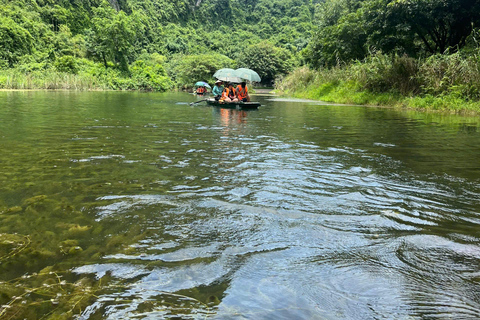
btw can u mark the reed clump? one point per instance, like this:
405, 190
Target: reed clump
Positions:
441, 82
17, 80
82, 74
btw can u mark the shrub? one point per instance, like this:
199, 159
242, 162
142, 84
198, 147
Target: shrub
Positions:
268, 60
298, 80
191, 68
66, 64
454, 73
383, 73
29, 63
149, 77
438, 82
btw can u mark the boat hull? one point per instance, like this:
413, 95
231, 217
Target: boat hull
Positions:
234, 105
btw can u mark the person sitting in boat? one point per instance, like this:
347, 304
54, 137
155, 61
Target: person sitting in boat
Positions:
217, 90
201, 90
242, 92
229, 94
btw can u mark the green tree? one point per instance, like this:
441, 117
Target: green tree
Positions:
340, 34
113, 35
187, 70
148, 73
35, 34
439, 24
343, 41
352, 29
387, 31
15, 41
267, 60
55, 16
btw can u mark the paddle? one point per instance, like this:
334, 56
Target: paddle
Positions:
192, 103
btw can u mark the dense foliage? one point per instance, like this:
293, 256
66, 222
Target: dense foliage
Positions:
440, 82
352, 29
416, 53
108, 43
160, 44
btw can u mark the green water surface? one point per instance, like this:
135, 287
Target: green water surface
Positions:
118, 205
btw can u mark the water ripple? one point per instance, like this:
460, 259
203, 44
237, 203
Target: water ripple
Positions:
294, 230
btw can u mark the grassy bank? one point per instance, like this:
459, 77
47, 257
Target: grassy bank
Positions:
11, 79
82, 74
443, 82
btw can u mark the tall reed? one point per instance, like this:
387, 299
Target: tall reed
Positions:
438, 82
55, 80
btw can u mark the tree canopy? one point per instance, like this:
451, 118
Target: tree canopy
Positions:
115, 33
269, 36
349, 30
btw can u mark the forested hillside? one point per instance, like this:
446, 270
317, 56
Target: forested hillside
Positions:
411, 48
147, 44
415, 53
351, 29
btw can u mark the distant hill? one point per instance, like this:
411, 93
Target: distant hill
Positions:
39, 34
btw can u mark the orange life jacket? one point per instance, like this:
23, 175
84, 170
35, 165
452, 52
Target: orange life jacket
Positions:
241, 92
225, 93
201, 90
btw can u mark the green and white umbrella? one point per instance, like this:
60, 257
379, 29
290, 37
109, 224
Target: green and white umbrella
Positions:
227, 74
202, 84
247, 74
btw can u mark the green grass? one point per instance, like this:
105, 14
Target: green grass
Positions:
87, 75
348, 93
12, 79
442, 103
437, 83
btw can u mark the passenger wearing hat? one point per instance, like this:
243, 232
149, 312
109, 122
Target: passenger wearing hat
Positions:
217, 90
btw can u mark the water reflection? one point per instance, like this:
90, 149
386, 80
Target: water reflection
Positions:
229, 116
290, 212
231, 120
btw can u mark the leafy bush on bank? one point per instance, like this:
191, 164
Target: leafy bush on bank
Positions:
437, 82
185, 70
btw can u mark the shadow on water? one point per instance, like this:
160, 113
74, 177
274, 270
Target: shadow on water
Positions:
130, 205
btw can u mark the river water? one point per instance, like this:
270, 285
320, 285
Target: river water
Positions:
137, 205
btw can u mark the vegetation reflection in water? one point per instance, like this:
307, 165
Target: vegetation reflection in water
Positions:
122, 205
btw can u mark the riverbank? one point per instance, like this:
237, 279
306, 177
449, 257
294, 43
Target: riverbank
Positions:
438, 83
87, 76
350, 94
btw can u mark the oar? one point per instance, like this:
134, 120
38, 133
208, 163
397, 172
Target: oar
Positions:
192, 103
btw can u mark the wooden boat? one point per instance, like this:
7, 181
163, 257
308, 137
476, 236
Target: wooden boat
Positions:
233, 105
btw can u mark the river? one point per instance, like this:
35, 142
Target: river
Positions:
121, 205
